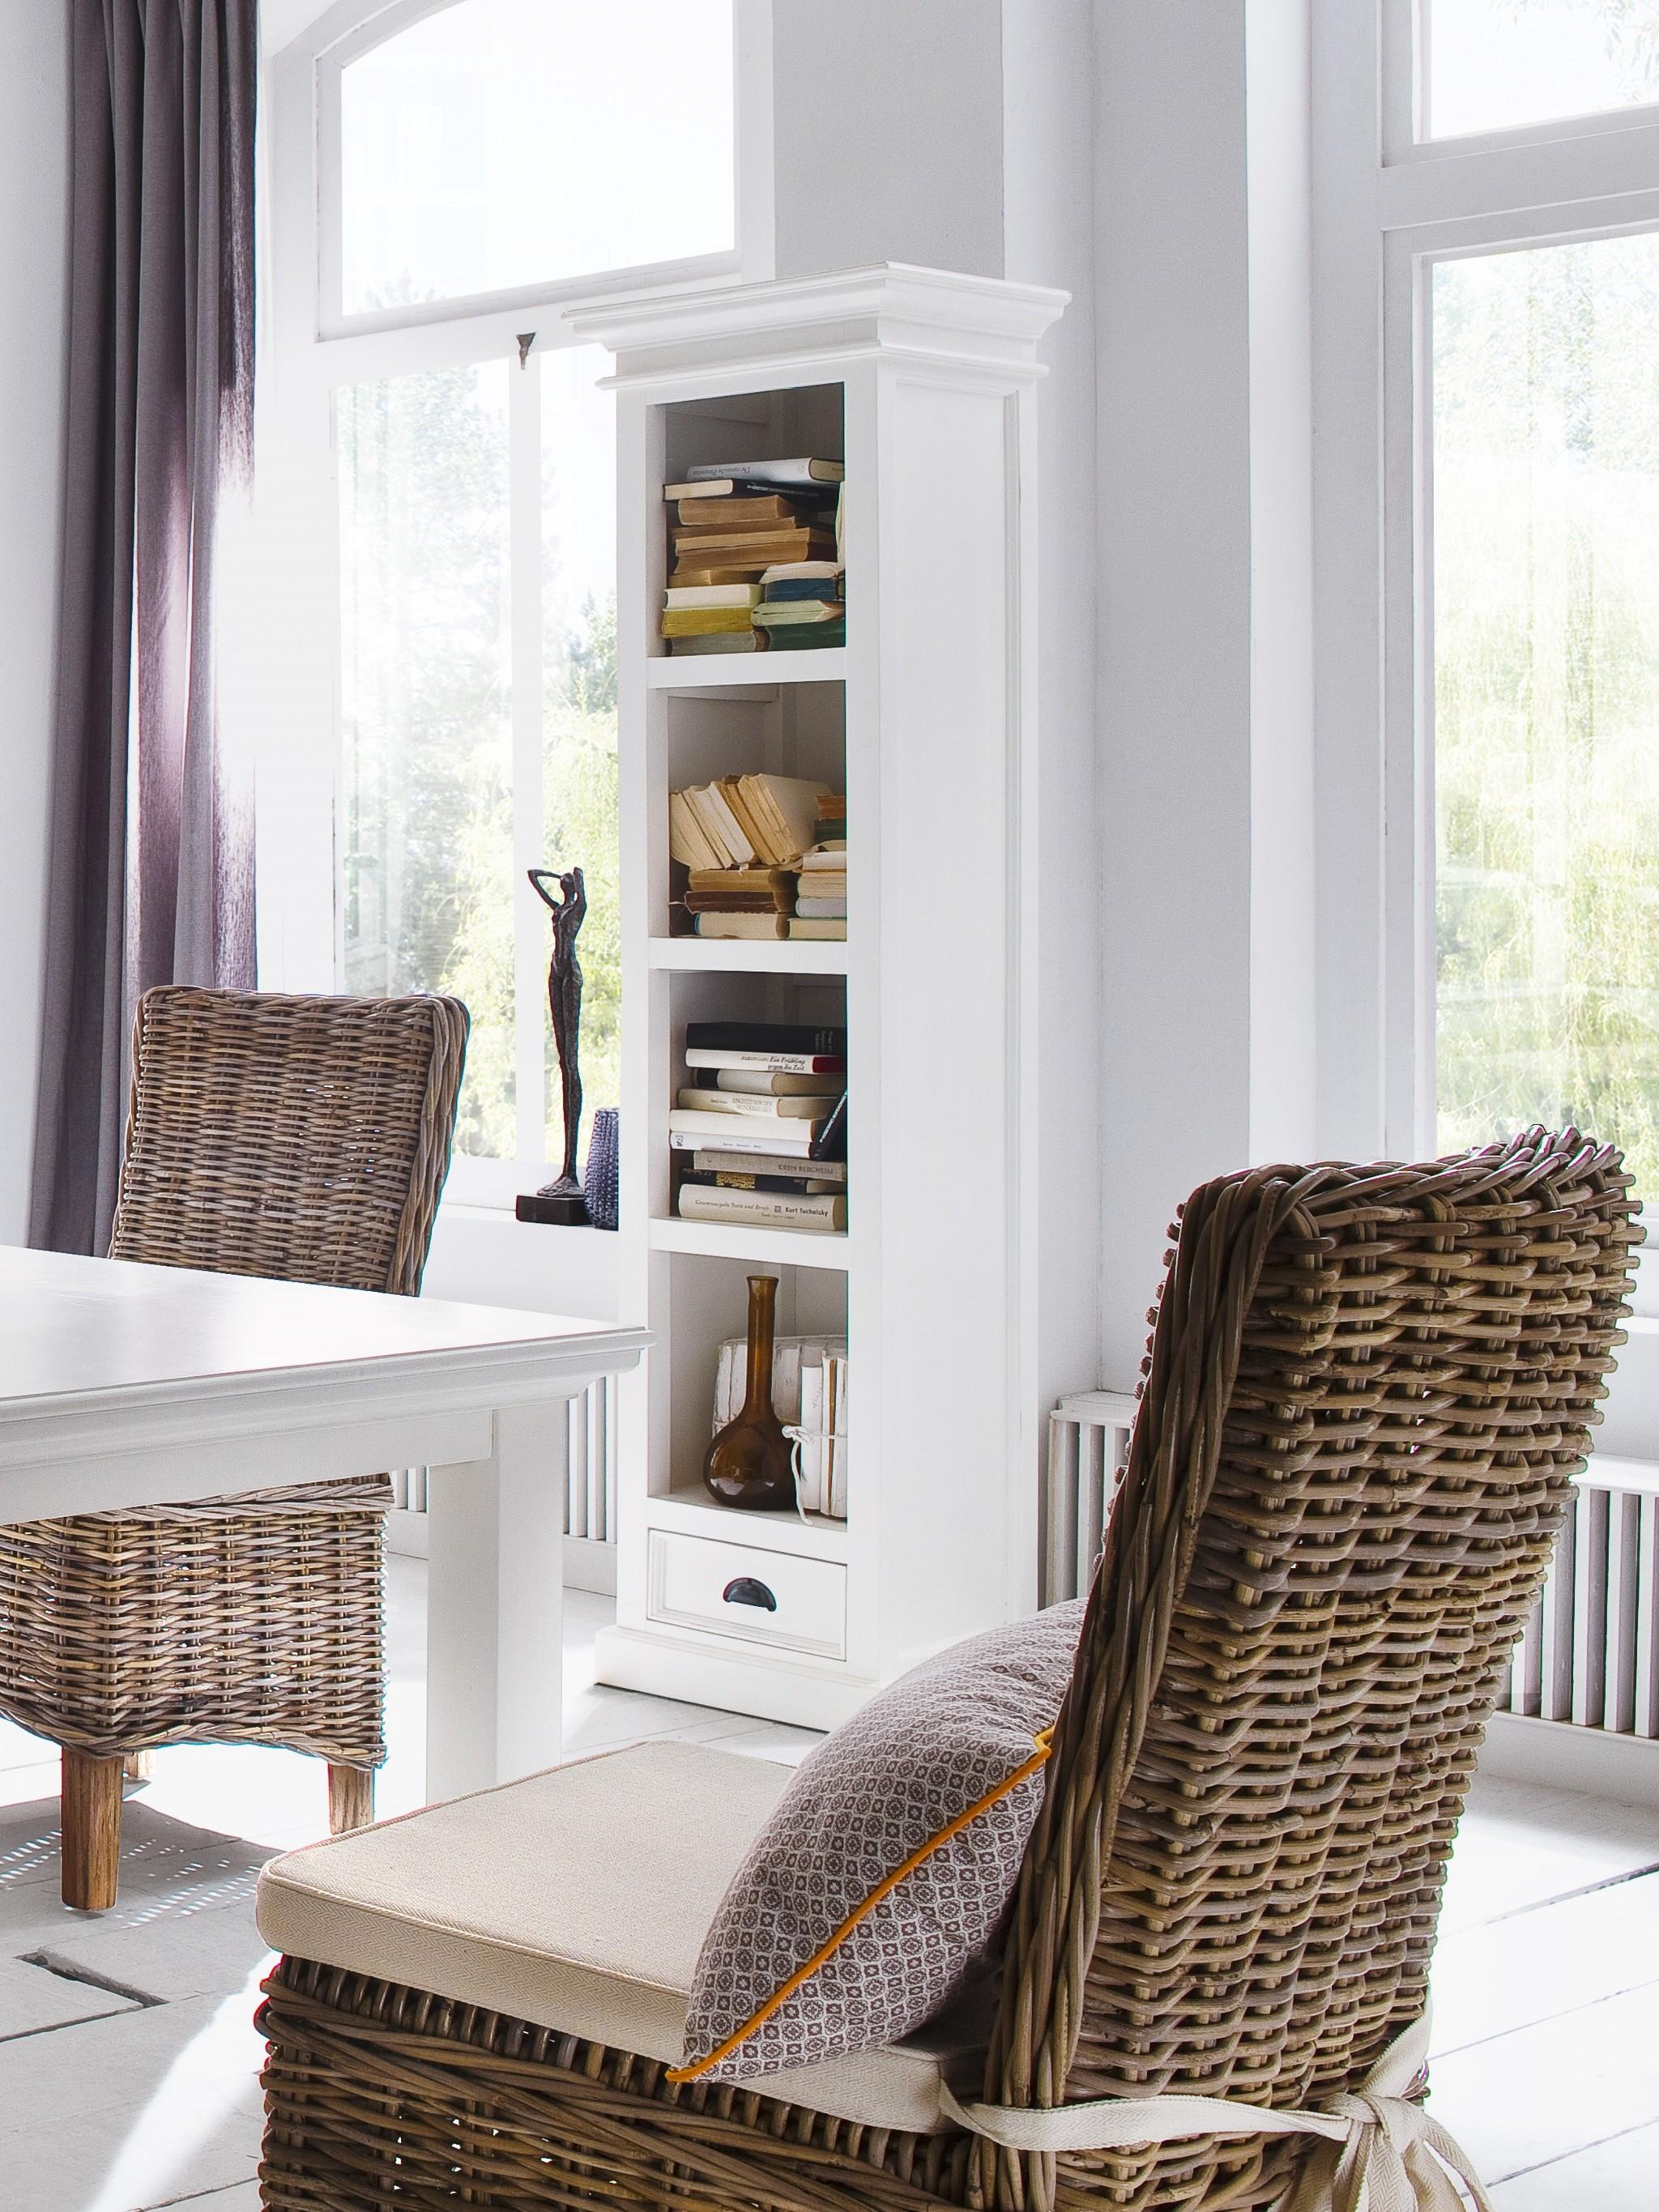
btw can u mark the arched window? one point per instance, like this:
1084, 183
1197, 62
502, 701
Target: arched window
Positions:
493, 146
430, 673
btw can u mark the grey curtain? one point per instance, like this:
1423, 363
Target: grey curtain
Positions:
151, 861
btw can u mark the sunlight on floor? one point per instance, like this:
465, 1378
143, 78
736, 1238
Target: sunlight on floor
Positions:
183, 2109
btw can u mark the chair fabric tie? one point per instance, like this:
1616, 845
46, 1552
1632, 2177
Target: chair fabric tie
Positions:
1381, 2151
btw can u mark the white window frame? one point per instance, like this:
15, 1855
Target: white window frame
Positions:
288, 690
1387, 207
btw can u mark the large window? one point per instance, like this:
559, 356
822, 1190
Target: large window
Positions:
503, 143
438, 486
1486, 537
477, 711
1500, 64
1545, 400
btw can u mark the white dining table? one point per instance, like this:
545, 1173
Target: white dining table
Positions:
123, 1384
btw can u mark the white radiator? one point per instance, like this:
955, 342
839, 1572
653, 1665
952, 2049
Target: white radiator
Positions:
1581, 1704
1088, 1444
590, 1492
1590, 1653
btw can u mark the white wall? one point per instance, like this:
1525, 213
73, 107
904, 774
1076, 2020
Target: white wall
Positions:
34, 222
1173, 403
887, 129
1204, 414
1049, 237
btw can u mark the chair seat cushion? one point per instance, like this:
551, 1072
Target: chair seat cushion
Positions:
578, 1899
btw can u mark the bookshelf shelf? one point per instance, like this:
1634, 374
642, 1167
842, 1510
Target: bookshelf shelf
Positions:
777, 1248
923, 386
722, 956
694, 1513
731, 671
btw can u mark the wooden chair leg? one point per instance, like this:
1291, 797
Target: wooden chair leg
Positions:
141, 1767
350, 1798
92, 1830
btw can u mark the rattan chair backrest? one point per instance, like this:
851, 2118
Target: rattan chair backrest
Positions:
303, 1138
1367, 1392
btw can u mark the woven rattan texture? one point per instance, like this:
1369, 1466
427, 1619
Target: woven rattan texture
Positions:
302, 1138
372, 2089
1367, 1392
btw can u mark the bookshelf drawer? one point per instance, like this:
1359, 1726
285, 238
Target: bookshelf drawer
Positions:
741, 1590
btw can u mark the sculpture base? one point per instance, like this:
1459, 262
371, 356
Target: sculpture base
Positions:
562, 1209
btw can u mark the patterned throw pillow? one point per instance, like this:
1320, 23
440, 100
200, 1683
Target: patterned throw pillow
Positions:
887, 1862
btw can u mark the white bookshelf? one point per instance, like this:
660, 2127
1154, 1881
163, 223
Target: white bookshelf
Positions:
924, 384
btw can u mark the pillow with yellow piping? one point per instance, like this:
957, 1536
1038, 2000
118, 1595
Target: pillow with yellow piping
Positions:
888, 1862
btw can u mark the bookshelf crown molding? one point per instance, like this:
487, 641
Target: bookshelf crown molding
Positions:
934, 315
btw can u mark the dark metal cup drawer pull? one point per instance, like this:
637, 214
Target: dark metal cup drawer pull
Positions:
745, 1590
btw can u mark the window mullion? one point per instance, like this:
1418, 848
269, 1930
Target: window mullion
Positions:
524, 622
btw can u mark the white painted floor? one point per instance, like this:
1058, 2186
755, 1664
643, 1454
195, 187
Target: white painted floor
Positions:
128, 2061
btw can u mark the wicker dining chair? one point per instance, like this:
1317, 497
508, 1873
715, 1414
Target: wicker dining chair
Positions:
1367, 1393
299, 1138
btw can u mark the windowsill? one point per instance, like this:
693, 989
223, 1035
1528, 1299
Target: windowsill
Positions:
490, 1212
483, 1255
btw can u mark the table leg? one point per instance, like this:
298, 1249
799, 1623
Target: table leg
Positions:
495, 1607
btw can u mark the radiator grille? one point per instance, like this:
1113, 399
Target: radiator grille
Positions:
1590, 1655
590, 1474
1088, 1444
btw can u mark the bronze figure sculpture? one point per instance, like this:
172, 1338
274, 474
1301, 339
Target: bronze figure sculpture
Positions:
561, 1201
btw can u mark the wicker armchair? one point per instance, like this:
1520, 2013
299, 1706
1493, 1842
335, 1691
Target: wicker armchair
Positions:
1367, 1392
304, 1138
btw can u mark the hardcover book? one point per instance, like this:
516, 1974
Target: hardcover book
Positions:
805, 637
707, 621
765, 1036
765, 546
702, 1129
767, 1140
769, 1083
762, 1209
780, 589
801, 1183
776, 475
726, 1038
764, 927
795, 572
741, 511
771, 1063
725, 1159
758, 1106
750, 641
712, 595
737, 902
787, 613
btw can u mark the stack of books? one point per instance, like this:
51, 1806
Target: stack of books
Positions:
758, 902
821, 885
741, 841
760, 1133
803, 604
733, 522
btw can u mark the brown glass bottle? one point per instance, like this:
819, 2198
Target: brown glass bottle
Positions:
751, 1464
